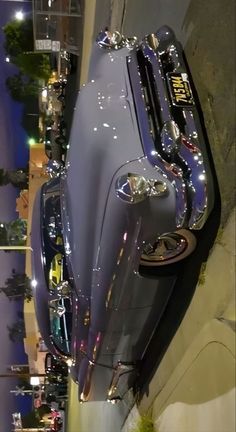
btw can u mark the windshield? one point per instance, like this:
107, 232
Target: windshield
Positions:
55, 267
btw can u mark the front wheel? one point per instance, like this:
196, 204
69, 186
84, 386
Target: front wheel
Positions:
169, 248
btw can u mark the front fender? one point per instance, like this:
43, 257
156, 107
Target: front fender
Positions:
126, 228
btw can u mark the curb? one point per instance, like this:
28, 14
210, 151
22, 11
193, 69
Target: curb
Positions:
117, 14
118, 10
89, 20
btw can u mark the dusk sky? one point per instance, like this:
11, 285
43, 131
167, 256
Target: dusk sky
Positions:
13, 148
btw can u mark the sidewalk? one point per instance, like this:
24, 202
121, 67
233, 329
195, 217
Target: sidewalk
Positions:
193, 389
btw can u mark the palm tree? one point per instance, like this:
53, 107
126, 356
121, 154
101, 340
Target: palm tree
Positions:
17, 286
16, 331
18, 178
13, 233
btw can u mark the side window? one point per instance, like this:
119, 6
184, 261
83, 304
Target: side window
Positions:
56, 274
53, 218
57, 265
60, 312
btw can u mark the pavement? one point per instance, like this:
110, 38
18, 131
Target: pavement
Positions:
193, 389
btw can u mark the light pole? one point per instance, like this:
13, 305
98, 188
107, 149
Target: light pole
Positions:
19, 15
21, 375
16, 248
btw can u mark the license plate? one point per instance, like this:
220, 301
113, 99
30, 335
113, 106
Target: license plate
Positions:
180, 90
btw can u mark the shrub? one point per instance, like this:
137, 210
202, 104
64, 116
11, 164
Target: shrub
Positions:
145, 424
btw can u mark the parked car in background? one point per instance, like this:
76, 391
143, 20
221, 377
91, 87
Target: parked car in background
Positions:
61, 64
55, 142
65, 63
53, 366
127, 207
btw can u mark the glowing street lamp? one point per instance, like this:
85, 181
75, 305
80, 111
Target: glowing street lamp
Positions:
15, 248
34, 380
19, 15
31, 141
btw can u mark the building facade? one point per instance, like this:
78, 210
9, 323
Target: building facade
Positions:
37, 176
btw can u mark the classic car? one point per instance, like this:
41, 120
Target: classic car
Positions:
55, 367
135, 190
54, 138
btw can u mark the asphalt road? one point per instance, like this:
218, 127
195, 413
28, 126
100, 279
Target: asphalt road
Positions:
199, 25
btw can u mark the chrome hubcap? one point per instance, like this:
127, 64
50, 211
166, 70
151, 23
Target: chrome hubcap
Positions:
166, 247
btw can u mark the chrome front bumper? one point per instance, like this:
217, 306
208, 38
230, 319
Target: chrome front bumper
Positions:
171, 135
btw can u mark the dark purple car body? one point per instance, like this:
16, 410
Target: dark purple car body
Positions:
135, 187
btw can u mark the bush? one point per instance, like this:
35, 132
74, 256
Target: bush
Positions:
145, 424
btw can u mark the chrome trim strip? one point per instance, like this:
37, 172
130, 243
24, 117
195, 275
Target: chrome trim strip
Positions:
197, 184
192, 189
154, 59
114, 40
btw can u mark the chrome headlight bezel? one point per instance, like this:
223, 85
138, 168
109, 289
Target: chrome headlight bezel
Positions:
114, 40
133, 188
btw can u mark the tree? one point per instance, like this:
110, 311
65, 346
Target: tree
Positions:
34, 65
30, 118
19, 47
16, 331
17, 231
3, 235
20, 87
33, 419
18, 178
18, 37
13, 233
17, 286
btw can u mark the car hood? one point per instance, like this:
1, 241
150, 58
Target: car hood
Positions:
104, 137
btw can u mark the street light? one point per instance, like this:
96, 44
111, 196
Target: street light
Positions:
19, 15
34, 380
31, 141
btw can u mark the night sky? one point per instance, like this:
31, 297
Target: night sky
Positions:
13, 153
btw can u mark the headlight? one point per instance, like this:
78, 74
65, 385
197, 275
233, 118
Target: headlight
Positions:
69, 362
115, 40
133, 188
170, 137
107, 39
